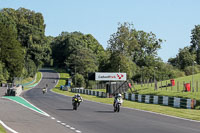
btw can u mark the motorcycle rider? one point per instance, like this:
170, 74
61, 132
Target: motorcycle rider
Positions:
44, 90
116, 97
78, 97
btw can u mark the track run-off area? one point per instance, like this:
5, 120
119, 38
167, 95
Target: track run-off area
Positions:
51, 113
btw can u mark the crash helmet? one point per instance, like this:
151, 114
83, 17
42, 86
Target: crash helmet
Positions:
78, 95
119, 95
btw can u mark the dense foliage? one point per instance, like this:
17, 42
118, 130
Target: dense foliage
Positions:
24, 49
188, 58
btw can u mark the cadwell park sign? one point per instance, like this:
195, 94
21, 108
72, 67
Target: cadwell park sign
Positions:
103, 76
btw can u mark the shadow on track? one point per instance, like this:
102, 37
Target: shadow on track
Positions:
65, 109
105, 111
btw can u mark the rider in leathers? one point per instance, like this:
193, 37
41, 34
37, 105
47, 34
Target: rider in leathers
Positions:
78, 97
116, 97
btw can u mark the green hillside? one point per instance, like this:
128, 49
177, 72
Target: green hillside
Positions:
178, 90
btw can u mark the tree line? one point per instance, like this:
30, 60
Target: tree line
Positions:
24, 49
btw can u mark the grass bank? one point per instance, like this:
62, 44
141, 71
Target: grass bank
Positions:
2, 130
183, 113
177, 91
38, 78
173, 91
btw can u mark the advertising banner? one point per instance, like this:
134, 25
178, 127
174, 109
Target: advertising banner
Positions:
100, 76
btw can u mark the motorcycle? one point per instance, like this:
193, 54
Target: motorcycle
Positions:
44, 90
117, 105
76, 103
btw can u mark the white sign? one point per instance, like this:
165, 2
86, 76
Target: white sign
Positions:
110, 76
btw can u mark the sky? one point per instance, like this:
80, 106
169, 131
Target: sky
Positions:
170, 20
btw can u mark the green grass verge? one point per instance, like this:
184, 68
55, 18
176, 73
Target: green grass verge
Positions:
184, 113
176, 91
2, 130
39, 76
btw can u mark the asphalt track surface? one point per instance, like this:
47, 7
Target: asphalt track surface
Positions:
92, 117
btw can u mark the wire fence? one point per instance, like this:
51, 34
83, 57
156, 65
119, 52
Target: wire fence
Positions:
169, 85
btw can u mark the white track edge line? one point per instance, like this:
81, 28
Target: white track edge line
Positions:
35, 107
34, 86
139, 110
31, 103
27, 107
8, 128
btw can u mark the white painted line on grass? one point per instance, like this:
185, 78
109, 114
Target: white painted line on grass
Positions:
8, 128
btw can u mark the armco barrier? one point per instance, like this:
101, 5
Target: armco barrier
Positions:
89, 92
163, 100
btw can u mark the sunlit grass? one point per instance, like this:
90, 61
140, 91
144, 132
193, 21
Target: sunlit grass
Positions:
2, 130
38, 78
184, 113
173, 91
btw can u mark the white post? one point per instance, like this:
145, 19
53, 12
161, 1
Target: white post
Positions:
147, 99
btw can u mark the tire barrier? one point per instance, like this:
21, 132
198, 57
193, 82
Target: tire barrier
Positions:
163, 100
89, 92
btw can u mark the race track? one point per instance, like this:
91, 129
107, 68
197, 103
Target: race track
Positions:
94, 117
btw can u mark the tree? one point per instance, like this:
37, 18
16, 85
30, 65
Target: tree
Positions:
80, 81
137, 44
12, 54
130, 49
82, 61
4, 75
184, 58
30, 29
195, 40
121, 63
69, 44
124, 40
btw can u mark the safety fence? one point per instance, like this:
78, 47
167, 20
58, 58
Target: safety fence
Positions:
149, 99
163, 100
89, 92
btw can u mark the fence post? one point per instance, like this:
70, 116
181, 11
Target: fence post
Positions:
177, 86
196, 86
183, 86
166, 85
